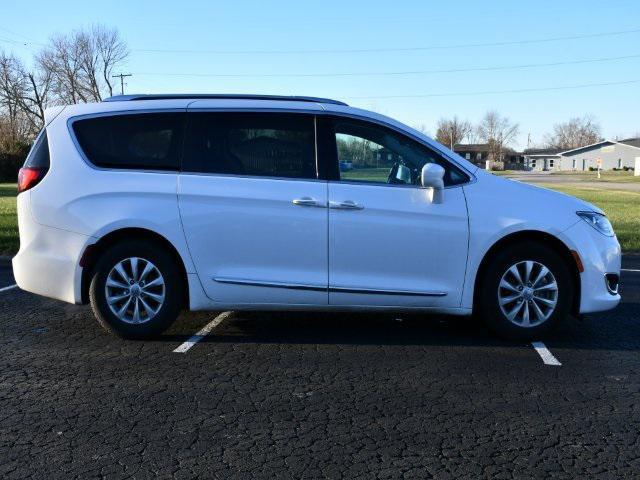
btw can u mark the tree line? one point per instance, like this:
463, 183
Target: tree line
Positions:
499, 133
71, 68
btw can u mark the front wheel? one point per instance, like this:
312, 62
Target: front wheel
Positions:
526, 291
136, 290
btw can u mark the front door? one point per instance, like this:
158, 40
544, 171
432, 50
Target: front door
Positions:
389, 245
253, 211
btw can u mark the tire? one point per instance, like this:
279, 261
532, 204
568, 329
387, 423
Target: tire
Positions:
532, 304
158, 278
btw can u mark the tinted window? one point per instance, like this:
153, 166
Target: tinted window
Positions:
143, 141
39, 155
274, 145
371, 153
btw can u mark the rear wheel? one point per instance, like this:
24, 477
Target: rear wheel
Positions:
526, 291
136, 289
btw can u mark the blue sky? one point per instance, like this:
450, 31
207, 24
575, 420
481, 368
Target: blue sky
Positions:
283, 37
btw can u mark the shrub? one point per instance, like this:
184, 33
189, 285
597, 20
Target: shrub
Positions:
11, 161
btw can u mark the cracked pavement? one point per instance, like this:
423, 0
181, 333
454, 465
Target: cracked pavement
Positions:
316, 395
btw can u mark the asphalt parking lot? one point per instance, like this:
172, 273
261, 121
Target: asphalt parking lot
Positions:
299, 395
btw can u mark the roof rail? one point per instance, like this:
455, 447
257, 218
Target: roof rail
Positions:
218, 96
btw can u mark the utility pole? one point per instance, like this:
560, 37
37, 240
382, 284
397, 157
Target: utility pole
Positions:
121, 76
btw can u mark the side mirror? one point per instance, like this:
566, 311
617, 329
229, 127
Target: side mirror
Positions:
432, 177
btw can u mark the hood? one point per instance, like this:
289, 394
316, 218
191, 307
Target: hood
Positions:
554, 196
531, 197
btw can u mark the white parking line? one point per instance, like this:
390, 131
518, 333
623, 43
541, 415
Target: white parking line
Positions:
202, 333
630, 270
545, 354
4, 289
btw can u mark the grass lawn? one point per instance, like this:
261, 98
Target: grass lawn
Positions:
622, 207
366, 174
8, 220
608, 176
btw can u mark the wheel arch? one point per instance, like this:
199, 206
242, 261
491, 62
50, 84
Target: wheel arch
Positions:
93, 252
527, 236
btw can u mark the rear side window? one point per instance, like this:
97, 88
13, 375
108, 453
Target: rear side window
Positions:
252, 144
39, 155
149, 141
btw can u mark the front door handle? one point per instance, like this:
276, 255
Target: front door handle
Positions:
306, 202
346, 205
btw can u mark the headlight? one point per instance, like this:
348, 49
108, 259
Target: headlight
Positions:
598, 221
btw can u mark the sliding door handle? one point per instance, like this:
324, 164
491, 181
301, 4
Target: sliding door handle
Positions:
346, 205
306, 202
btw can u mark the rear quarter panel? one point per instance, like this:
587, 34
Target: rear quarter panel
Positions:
80, 198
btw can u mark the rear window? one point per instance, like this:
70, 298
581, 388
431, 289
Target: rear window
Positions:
149, 141
39, 155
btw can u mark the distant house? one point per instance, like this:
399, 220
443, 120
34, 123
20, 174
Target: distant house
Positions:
478, 153
612, 154
609, 154
542, 159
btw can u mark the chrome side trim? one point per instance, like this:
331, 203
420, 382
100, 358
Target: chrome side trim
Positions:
271, 284
372, 291
318, 288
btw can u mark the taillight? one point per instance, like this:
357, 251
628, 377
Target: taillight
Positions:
29, 177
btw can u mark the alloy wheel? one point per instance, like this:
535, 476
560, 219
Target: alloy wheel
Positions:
528, 293
135, 290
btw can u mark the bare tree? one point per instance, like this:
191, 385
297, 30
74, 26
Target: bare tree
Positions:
472, 136
452, 131
112, 52
82, 63
62, 59
498, 132
24, 94
575, 133
73, 68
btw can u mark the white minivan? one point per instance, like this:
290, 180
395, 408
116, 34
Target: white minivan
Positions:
144, 205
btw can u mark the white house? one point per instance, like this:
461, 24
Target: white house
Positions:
542, 159
609, 154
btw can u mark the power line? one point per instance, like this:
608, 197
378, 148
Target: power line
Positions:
14, 42
359, 50
493, 92
11, 32
396, 73
383, 50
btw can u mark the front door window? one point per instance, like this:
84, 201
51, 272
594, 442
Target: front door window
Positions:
374, 154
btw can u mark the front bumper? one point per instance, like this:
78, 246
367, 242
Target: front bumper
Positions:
600, 256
